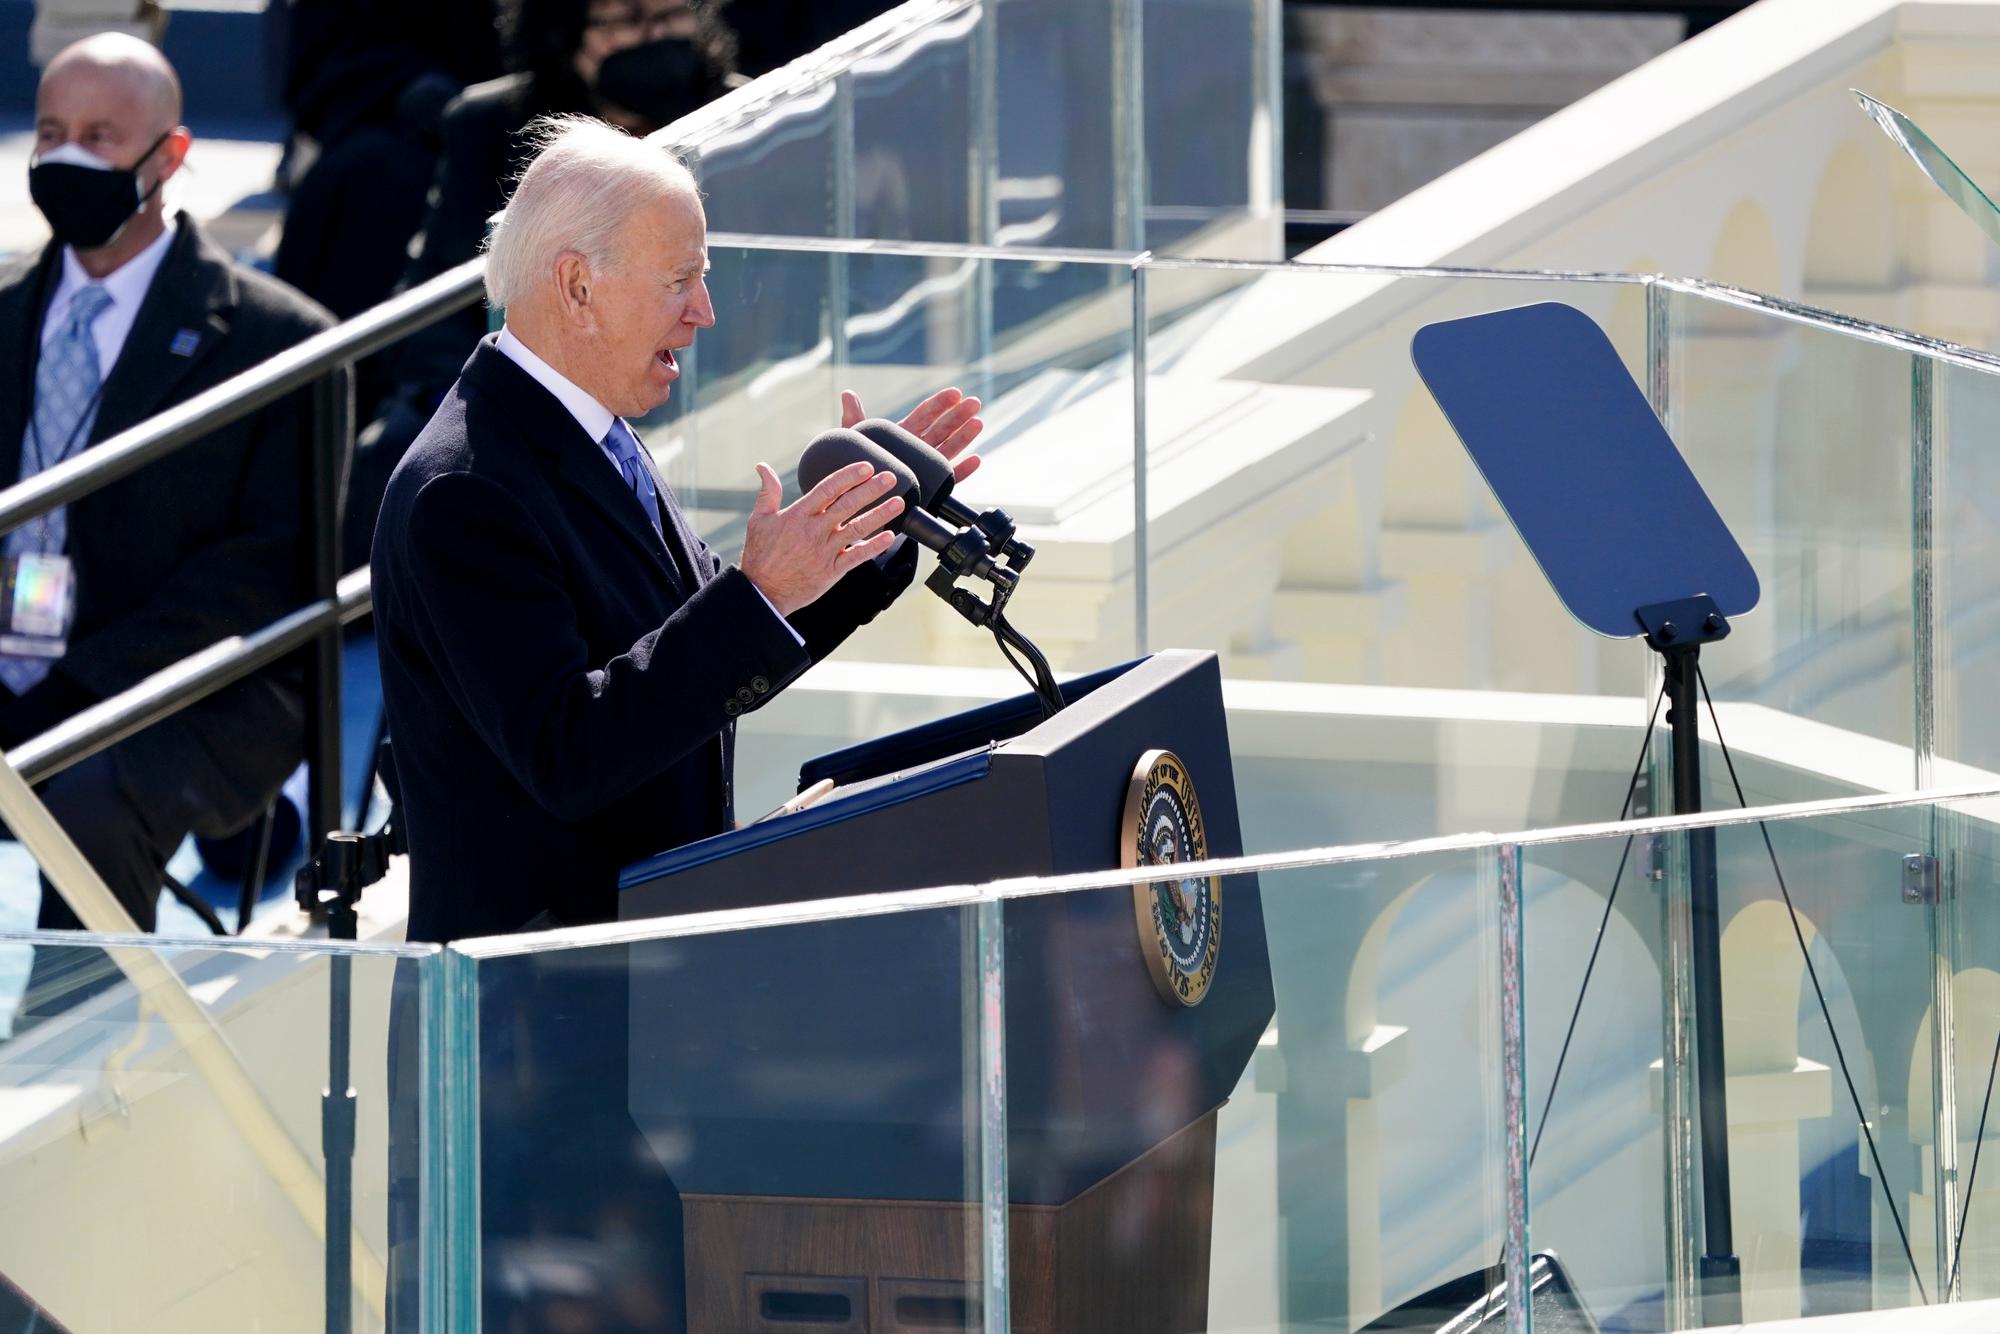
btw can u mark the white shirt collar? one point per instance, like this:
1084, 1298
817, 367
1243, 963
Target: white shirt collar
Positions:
126, 285
592, 416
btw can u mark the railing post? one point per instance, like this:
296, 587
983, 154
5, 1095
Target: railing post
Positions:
1142, 611
332, 420
1516, 1256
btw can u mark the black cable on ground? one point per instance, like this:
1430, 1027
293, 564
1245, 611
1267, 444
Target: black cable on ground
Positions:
1819, 994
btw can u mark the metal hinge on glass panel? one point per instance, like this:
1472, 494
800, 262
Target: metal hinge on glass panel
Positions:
1652, 857
1920, 878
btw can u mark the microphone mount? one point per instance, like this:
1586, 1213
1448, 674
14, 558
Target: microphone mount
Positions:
998, 527
972, 553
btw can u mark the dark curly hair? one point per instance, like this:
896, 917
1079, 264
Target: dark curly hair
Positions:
542, 37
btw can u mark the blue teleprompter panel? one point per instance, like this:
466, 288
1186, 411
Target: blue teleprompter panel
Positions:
1586, 472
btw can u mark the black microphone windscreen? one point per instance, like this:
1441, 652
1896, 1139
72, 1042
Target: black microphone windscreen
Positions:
932, 469
830, 451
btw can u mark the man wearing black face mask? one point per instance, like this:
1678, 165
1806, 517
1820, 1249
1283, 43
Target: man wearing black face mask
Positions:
640, 64
128, 311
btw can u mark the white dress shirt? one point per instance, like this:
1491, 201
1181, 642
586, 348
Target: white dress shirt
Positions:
592, 416
126, 286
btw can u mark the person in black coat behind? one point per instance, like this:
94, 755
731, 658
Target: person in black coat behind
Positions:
366, 81
668, 57
206, 544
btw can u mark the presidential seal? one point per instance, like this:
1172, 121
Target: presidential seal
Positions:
1180, 921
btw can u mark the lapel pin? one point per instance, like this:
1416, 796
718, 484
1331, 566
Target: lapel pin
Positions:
185, 342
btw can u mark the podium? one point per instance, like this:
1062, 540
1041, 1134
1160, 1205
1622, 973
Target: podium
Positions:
811, 1080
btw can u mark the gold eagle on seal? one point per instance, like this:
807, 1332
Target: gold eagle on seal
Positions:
1180, 920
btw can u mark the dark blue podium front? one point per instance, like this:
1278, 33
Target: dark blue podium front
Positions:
1098, 1065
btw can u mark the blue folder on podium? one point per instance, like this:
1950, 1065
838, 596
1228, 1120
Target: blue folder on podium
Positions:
747, 1048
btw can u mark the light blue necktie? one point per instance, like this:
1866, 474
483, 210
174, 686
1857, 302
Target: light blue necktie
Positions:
624, 447
67, 379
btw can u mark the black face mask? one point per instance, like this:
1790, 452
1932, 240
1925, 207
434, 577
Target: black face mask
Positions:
87, 205
661, 80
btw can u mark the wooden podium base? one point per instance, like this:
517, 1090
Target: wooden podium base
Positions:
1129, 1253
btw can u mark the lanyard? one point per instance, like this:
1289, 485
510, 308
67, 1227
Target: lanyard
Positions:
88, 416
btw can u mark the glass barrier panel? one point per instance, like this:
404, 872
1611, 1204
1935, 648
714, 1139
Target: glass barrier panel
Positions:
758, 1128
1214, 184
1311, 514
1826, 971
1018, 122
879, 132
1045, 344
1313, 1143
1967, 1043
163, 1147
913, 161
1965, 472
1801, 436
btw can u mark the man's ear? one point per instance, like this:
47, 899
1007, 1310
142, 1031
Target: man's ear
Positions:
174, 151
575, 285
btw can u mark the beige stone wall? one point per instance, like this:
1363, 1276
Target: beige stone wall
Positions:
1410, 94
60, 22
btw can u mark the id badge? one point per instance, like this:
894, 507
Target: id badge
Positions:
38, 605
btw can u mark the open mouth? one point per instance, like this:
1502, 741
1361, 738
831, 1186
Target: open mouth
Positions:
665, 356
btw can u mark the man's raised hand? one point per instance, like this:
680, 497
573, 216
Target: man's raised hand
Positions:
947, 421
795, 552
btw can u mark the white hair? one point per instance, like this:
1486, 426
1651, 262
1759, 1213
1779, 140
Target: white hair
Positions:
586, 179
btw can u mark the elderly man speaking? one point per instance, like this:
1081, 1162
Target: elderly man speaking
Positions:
563, 659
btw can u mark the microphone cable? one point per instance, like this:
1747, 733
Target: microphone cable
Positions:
1042, 679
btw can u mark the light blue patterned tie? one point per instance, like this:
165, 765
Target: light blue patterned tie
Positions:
624, 447
67, 379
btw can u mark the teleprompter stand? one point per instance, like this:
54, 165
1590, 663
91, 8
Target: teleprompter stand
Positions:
1631, 544
1676, 631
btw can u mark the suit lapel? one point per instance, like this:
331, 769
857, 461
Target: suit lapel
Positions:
23, 303
580, 462
184, 317
583, 465
674, 523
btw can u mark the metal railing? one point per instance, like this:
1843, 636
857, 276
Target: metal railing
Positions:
317, 362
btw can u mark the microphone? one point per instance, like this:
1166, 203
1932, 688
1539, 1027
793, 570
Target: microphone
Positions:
934, 482
932, 469
923, 479
963, 552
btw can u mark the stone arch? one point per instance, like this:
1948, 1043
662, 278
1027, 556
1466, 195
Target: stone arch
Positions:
1597, 1195
1600, 1153
1745, 255
1851, 232
1975, 994
1772, 1088
1762, 973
